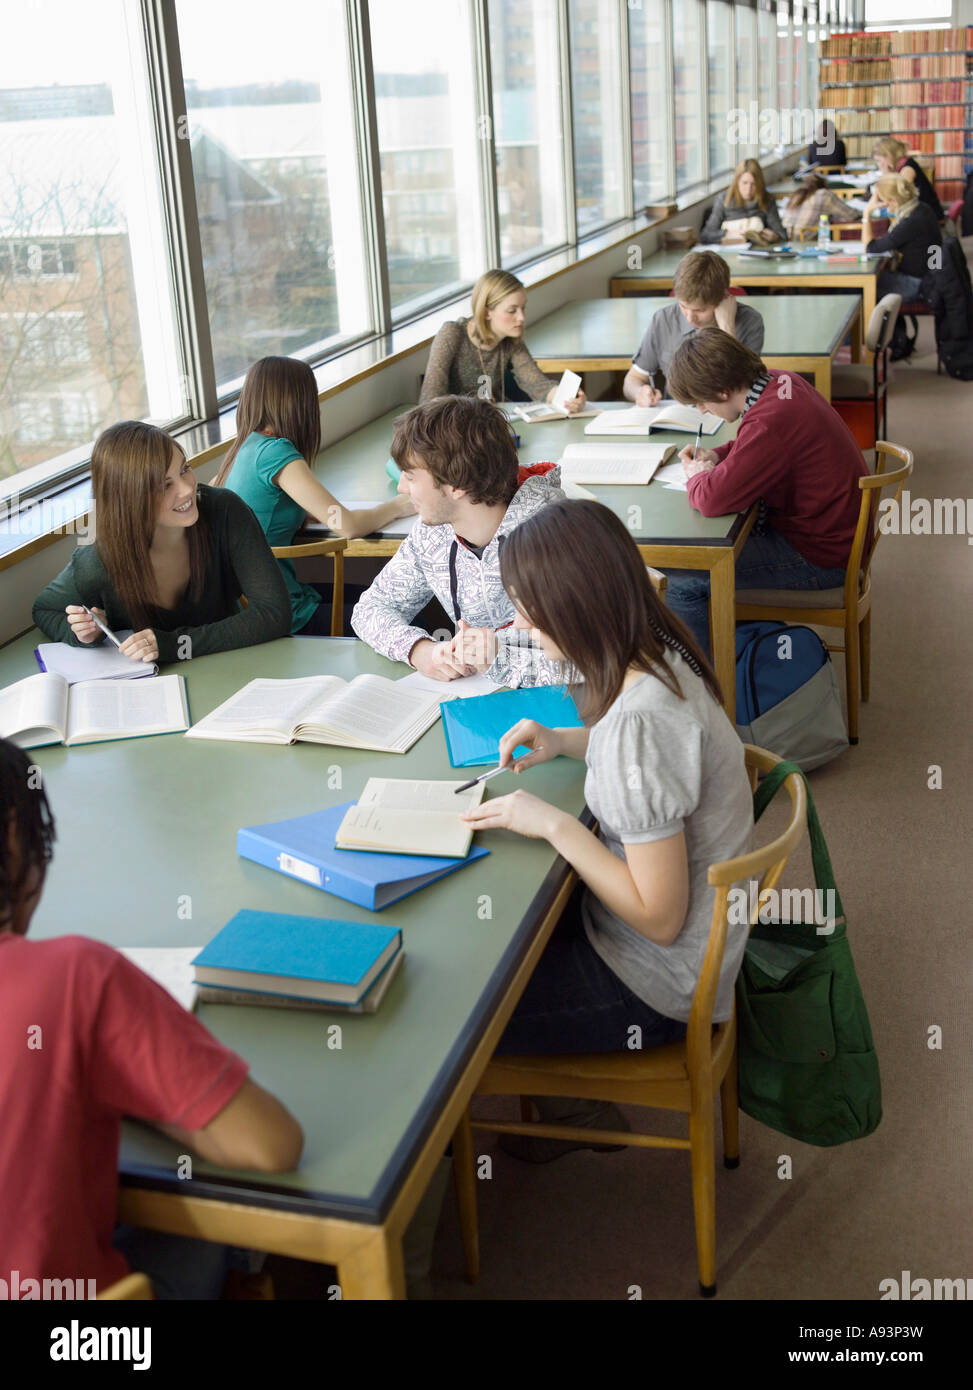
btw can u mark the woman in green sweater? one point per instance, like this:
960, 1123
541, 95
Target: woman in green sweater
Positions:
170, 560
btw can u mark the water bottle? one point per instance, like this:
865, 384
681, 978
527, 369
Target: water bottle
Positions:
824, 232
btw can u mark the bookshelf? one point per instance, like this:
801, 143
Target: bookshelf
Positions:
916, 84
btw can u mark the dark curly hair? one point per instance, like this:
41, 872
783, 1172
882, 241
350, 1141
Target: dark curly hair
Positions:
26, 810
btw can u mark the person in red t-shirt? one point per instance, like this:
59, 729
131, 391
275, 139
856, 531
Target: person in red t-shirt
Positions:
793, 454
85, 1038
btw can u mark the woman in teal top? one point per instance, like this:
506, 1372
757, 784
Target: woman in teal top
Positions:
278, 438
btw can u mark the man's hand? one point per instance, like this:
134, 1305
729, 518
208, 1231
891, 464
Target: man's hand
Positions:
726, 314
647, 395
474, 647
436, 660
704, 462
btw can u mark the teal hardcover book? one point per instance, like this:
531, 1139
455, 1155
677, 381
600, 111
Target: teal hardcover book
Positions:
473, 728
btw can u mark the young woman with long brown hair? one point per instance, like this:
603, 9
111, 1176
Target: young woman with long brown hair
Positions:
170, 559
745, 206
666, 782
278, 422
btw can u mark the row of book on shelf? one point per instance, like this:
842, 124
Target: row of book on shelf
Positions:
901, 41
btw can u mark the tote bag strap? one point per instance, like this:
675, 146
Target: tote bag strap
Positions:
821, 860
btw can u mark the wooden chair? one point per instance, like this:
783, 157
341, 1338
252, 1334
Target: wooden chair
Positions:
335, 546
133, 1288
849, 607
855, 382
658, 580
683, 1076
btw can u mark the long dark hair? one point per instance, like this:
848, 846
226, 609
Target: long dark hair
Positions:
26, 817
576, 573
280, 395
128, 469
811, 183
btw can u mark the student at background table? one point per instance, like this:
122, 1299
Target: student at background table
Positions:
892, 157
473, 356
793, 454
85, 1039
912, 235
459, 466
745, 206
278, 420
666, 782
826, 148
812, 200
701, 291
170, 560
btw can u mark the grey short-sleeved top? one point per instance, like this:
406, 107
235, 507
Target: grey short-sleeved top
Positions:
658, 765
669, 328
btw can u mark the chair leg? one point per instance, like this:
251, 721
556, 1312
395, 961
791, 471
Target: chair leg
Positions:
701, 1139
730, 1112
852, 680
464, 1178
865, 650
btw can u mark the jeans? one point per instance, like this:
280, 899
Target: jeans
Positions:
767, 561
894, 282
574, 1003
178, 1266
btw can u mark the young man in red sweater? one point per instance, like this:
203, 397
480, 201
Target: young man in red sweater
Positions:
793, 454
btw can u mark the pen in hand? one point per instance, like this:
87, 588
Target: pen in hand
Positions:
485, 776
699, 433
104, 627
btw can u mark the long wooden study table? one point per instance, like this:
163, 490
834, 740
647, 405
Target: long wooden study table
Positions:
146, 856
669, 533
800, 334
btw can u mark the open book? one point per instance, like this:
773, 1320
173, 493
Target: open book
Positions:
400, 816
46, 709
640, 419
368, 712
613, 463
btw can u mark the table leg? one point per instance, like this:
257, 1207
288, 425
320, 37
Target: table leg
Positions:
869, 284
722, 628
857, 337
373, 1269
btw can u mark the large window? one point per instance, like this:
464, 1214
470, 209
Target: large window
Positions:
785, 72
87, 324
811, 57
687, 39
596, 105
276, 173
767, 76
744, 131
719, 46
650, 103
525, 64
428, 132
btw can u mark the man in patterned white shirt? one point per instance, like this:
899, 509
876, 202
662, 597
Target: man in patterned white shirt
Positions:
459, 466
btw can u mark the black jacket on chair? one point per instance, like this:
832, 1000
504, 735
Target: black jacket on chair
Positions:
949, 293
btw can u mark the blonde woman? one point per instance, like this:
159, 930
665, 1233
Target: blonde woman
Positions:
746, 206
912, 236
892, 157
471, 356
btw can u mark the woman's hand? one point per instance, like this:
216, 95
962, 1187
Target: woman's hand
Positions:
405, 507
81, 625
141, 646
576, 403
544, 744
521, 812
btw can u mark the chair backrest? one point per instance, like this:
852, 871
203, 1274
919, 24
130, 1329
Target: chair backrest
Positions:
765, 865
133, 1288
335, 546
867, 532
657, 579
881, 322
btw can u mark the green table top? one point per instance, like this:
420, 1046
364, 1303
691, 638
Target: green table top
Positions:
145, 825
662, 266
809, 325
354, 470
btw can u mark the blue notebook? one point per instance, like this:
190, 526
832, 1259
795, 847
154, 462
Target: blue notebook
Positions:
474, 727
302, 957
304, 848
